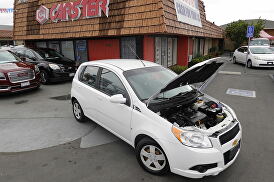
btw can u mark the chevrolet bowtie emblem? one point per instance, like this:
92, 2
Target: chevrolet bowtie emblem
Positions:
235, 143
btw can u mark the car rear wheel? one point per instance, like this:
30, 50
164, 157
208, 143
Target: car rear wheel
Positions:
78, 112
234, 60
249, 64
44, 77
151, 157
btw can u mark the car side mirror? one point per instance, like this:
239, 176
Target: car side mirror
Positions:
118, 99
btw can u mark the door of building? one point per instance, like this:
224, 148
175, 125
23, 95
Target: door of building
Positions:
166, 51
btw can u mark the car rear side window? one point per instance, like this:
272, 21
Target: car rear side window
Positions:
89, 76
110, 84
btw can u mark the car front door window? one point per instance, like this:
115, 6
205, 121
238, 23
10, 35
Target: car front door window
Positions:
111, 85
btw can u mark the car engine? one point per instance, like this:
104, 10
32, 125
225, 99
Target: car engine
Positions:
203, 114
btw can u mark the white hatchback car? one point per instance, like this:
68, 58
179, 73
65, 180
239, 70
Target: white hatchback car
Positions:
257, 56
172, 126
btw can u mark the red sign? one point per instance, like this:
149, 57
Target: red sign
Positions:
42, 14
75, 10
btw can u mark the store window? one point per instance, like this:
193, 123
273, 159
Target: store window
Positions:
166, 51
41, 44
128, 48
81, 51
55, 45
68, 49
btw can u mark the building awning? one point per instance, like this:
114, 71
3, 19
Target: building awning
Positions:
263, 34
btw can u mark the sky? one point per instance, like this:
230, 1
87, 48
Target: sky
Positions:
218, 11
225, 11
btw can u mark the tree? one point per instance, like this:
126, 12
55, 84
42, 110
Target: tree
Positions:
236, 31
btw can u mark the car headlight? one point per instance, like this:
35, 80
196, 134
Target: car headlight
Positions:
258, 58
36, 69
230, 110
191, 138
2, 76
54, 66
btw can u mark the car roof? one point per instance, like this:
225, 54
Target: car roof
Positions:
124, 64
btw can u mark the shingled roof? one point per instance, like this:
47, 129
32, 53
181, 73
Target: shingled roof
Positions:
126, 17
6, 34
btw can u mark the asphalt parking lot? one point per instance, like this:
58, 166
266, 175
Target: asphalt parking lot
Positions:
40, 140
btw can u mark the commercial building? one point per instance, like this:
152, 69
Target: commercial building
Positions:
6, 35
168, 32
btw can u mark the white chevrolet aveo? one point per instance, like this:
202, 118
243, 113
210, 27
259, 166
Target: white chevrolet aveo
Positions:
172, 126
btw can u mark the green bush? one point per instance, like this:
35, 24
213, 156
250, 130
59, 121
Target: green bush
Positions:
178, 69
200, 59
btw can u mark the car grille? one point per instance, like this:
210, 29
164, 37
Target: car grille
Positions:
19, 76
69, 69
226, 137
230, 155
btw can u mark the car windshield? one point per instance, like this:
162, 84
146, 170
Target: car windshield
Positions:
261, 50
147, 81
7, 57
260, 42
48, 53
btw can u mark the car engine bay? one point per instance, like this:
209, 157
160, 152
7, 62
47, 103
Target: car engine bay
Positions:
203, 114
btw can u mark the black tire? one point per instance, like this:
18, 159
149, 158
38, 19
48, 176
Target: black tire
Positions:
44, 77
249, 64
234, 60
78, 112
144, 144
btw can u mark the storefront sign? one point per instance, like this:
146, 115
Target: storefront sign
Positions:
42, 14
188, 12
6, 10
22, 1
76, 10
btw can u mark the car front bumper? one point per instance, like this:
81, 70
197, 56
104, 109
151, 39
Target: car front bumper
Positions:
262, 63
61, 76
185, 160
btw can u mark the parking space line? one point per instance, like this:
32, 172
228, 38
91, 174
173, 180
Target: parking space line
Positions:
243, 93
229, 73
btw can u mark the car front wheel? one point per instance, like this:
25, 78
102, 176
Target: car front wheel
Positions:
151, 157
249, 64
78, 112
44, 77
234, 61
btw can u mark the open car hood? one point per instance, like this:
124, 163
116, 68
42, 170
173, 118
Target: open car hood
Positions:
196, 74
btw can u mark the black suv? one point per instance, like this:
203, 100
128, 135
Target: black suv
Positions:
54, 67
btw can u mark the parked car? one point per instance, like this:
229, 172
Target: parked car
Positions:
16, 75
54, 66
260, 42
256, 56
172, 126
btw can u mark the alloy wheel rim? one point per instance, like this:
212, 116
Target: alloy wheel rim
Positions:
249, 64
77, 110
43, 77
153, 158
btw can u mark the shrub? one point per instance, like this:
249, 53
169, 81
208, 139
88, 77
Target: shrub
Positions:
178, 69
200, 59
